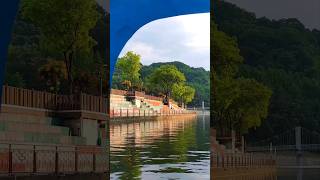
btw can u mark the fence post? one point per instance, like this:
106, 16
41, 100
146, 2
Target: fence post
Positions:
57, 161
10, 159
94, 161
34, 159
76, 159
81, 101
298, 139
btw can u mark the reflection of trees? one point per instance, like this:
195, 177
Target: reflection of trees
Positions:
130, 162
165, 141
183, 142
203, 135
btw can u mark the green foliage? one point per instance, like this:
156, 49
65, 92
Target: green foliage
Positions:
283, 55
182, 93
197, 78
64, 24
225, 53
237, 103
64, 27
128, 69
251, 105
164, 78
29, 52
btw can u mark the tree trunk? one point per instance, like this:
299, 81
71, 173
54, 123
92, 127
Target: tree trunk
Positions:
68, 57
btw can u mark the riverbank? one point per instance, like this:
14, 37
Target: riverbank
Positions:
124, 104
153, 118
243, 173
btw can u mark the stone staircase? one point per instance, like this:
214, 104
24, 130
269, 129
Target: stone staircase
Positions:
31, 129
146, 106
120, 102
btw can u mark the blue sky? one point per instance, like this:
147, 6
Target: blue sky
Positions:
183, 38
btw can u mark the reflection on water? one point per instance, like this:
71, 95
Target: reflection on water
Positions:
269, 174
298, 174
254, 174
163, 148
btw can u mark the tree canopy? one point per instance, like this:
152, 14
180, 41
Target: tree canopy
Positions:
128, 69
29, 52
237, 103
164, 78
64, 26
283, 55
197, 78
182, 93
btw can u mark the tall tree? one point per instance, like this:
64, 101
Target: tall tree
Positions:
128, 69
198, 78
183, 93
237, 103
164, 78
64, 26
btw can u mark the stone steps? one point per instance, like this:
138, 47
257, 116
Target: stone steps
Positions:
32, 127
25, 119
45, 138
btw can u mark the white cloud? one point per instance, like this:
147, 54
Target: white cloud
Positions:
182, 38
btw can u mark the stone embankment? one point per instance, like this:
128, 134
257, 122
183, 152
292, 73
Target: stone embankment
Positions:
125, 104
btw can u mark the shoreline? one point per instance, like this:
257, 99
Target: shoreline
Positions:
150, 118
219, 173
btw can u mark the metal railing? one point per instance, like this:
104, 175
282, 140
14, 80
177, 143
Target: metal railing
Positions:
39, 159
241, 160
146, 113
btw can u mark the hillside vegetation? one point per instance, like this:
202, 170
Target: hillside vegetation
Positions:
283, 55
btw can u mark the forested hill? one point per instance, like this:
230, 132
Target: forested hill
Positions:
198, 78
284, 44
32, 64
285, 56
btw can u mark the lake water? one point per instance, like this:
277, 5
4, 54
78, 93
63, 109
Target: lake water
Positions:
279, 174
163, 148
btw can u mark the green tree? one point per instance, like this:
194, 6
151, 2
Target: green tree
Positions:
225, 59
283, 55
198, 78
183, 93
64, 27
225, 54
128, 69
237, 103
164, 78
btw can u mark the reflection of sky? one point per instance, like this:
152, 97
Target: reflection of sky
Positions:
307, 11
182, 38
